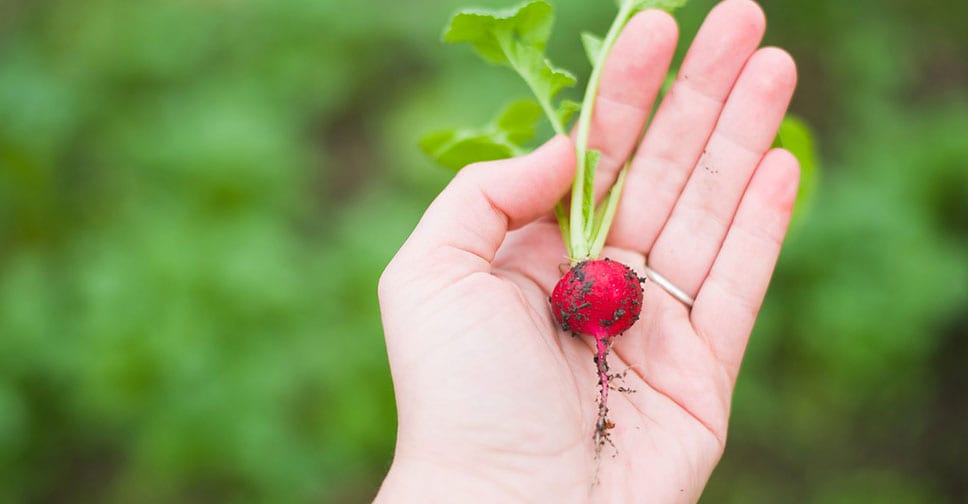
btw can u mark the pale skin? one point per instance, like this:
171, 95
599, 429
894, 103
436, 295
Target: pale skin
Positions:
496, 403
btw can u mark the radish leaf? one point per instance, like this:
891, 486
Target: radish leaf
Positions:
488, 31
588, 201
516, 38
502, 138
456, 149
605, 213
566, 109
519, 121
593, 46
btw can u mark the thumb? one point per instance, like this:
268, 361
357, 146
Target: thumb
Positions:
467, 222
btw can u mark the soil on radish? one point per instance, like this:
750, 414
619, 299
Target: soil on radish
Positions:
600, 298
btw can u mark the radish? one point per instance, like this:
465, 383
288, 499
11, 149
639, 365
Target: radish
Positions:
598, 298
601, 298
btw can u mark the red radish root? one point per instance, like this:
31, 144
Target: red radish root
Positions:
600, 298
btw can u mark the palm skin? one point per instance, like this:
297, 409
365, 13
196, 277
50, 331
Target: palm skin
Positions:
496, 403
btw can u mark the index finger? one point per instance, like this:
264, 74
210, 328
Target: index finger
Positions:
631, 79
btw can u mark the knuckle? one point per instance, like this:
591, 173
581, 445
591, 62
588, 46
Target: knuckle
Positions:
468, 176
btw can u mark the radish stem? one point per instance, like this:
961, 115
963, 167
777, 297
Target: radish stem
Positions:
581, 225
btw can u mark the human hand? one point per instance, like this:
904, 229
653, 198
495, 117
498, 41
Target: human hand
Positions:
495, 403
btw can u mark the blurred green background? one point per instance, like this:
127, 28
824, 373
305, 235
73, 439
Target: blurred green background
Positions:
198, 196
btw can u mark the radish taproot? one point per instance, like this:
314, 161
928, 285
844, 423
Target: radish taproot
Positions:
602, 299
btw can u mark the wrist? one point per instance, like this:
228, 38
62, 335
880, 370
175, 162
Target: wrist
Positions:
427, 480
414, 480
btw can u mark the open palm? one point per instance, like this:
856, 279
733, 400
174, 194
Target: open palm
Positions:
495, 403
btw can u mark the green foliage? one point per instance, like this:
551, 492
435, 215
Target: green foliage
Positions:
170, 297
502, 138
567, 109
516, 38
605, 213
498, 35
593, 46
588, 197
795, 136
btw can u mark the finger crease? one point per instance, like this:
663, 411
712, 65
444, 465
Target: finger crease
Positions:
687, 85
622, 104
716, 435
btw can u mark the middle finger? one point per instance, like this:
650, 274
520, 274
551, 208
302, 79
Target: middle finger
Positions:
684, 122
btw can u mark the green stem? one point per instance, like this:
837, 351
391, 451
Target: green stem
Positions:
550, 113
581, 224
556, 123
562, 215
611, 205
545, 104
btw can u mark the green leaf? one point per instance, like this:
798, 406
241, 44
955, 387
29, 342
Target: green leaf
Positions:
544, 78
561, 215
502, 138
605, 213
593, 46
519, 120
567, 109
588, 198
795, 136
488, 31
456, 149
515, 38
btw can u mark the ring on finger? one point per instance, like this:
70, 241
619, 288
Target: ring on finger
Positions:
669, 287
